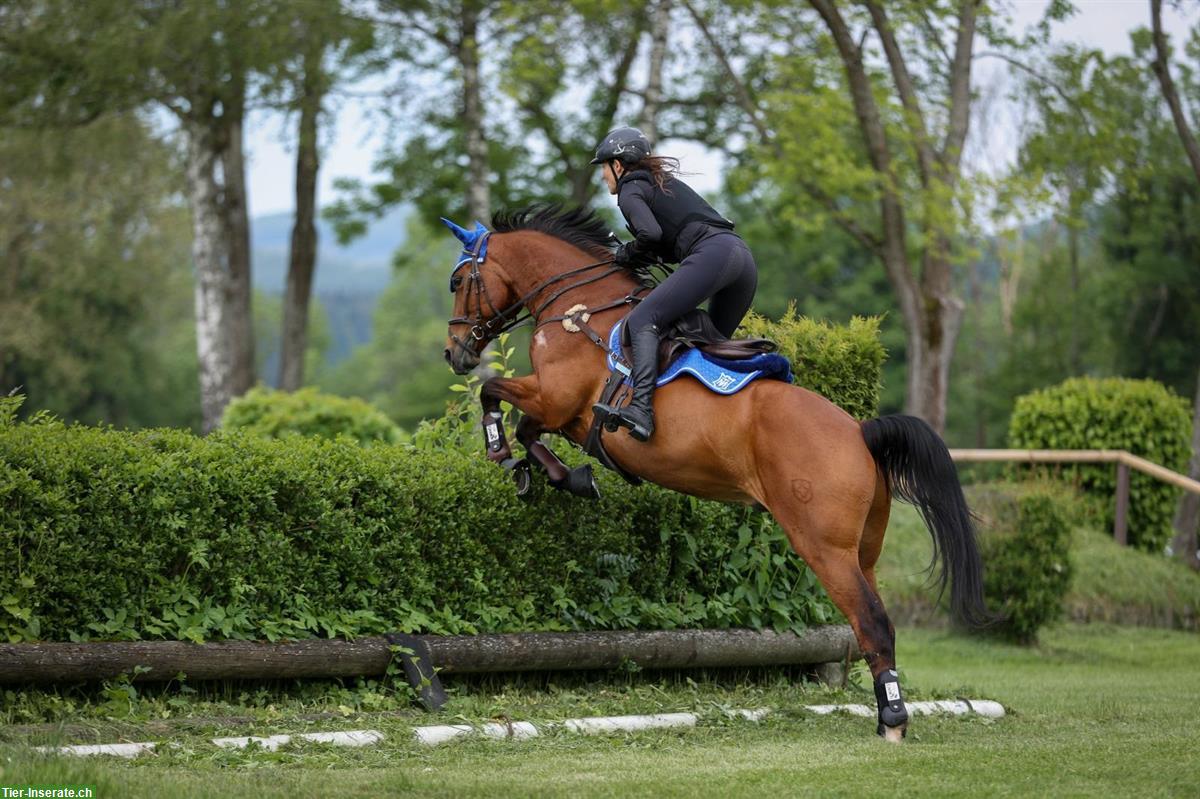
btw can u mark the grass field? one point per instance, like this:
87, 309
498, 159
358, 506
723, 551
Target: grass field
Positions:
1094, 711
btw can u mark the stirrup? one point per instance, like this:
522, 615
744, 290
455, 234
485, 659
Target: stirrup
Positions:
611, 418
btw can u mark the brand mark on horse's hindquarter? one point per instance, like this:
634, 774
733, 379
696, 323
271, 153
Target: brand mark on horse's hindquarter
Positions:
802, 489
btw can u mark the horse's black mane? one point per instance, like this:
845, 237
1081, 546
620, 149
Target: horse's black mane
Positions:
579, 226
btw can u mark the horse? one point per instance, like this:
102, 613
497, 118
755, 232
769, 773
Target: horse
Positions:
826, 478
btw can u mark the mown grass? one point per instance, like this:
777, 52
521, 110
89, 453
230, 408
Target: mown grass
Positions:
1110, 583
1094, 710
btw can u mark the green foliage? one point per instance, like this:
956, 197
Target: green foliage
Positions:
1025, 542
840, 363
96, 309
160, 534
1141, 416
307, 412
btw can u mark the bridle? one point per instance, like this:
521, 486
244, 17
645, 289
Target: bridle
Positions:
500, 321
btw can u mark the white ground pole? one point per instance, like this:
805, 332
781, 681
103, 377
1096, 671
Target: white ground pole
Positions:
522, 730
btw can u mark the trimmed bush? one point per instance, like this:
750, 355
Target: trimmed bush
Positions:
1141, 416
1025, 542
844, 364
307, 412
161, 534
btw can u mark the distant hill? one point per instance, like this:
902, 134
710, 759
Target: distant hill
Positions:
348, 279
363, 265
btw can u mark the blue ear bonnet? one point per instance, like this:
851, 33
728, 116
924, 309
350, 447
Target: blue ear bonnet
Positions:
474, 245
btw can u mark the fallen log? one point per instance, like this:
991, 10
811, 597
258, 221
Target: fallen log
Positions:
451, 654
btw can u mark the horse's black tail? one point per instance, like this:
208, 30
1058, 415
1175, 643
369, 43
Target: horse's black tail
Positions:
918, 469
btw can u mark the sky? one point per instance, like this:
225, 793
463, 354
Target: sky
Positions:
351, 144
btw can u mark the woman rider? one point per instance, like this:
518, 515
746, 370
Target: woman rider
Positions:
672, 222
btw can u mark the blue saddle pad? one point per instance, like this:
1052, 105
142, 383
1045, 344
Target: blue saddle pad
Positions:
716, 374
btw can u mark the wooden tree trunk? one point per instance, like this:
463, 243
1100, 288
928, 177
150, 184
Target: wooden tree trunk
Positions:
1162, 71
654, 80
479, 203
164, 660
237, 213
1187, 517
303, 254
215, 287
932, 339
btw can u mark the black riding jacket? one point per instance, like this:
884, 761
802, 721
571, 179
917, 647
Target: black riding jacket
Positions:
666, 223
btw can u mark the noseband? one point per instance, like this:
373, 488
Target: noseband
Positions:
500, 321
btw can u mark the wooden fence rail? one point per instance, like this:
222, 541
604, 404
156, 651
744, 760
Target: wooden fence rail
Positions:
1124, 460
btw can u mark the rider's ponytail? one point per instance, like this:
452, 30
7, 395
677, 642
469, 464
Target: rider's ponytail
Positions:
661, 168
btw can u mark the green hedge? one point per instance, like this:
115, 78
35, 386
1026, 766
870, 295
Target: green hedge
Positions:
1025, 543
308, 412
107, 534
843, 363
1141, 416
160, 534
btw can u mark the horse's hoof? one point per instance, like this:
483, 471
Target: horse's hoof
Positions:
582, 483
893, 735
522, 475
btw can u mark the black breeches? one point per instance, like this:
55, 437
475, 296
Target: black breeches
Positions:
719, 267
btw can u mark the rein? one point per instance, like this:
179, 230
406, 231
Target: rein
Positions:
501, 321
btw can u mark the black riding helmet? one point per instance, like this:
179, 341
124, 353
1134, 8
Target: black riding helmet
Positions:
627, 145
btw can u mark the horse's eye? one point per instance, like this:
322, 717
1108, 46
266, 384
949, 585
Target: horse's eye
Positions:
455, 282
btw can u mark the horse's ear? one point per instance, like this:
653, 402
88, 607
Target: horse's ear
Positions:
480, 229
467, 237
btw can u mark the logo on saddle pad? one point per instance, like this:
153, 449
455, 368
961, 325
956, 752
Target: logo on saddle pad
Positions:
724, 381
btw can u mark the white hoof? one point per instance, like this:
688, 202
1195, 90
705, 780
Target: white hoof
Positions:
893, 734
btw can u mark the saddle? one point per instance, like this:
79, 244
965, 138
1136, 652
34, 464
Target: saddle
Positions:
693, 346
695, 330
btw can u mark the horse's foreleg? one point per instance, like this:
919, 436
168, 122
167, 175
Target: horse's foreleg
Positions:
522, 393
529, 431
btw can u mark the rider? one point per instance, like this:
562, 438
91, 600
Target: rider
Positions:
672, 222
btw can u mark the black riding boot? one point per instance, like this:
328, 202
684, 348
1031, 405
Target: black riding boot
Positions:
638, 416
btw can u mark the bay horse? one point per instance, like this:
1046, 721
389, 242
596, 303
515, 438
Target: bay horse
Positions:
826, 478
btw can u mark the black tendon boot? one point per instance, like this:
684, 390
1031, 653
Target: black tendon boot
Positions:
638, 416
892, 712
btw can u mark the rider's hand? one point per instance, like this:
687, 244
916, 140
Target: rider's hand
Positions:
624, 255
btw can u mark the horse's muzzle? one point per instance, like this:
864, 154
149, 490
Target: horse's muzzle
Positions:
461, 360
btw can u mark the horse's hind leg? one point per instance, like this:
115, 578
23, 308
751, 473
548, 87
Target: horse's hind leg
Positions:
828, 538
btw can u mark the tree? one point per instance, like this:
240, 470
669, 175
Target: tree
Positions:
566, 51
327, 42
95, 321
74, 62
900, 192
1187, 519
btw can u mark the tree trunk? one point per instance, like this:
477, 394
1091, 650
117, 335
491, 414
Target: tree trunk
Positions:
654, 80
1187, 518
1162, 70
464, 654
236, 210
479, 202
215, 287
303, 255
